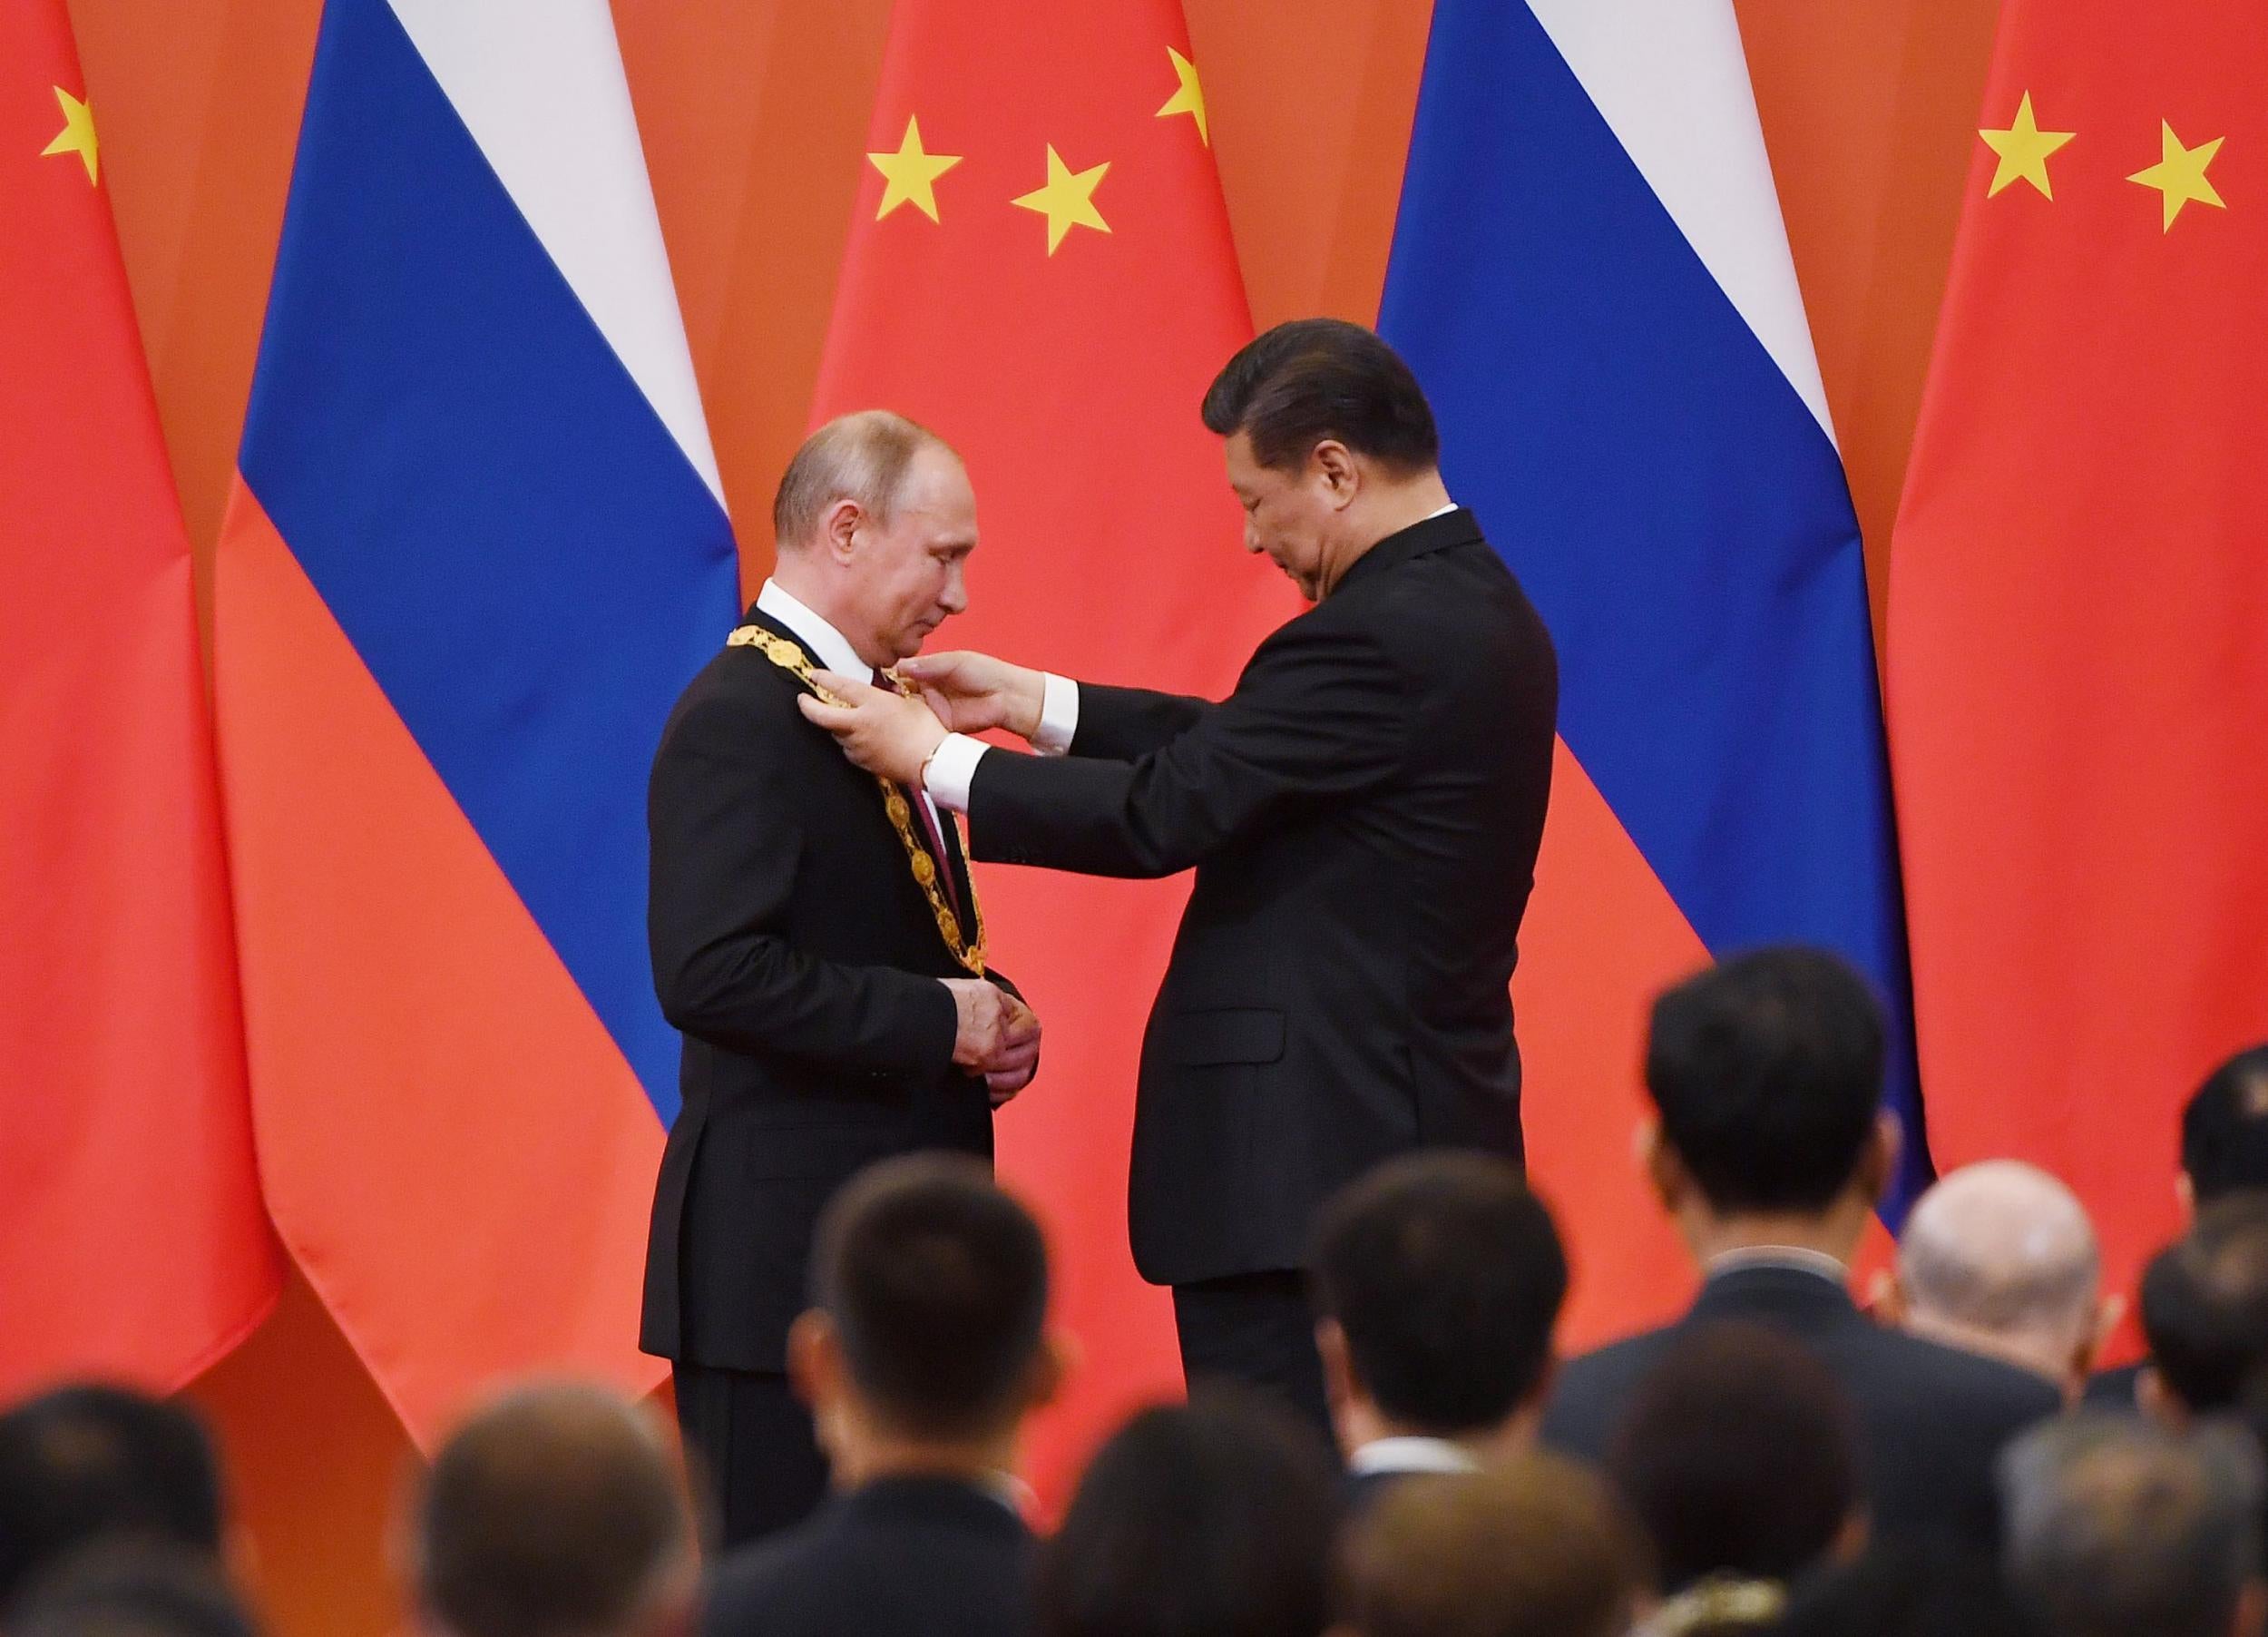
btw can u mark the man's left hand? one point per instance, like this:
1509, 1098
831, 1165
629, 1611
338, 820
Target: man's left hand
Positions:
886, 733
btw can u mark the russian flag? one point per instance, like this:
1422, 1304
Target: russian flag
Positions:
1591, 278
477, 549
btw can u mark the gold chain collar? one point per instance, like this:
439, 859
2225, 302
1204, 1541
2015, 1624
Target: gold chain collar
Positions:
969, 952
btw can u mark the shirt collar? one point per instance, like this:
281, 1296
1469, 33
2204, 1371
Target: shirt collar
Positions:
1442, 511
1795, 1257
832, 647
1413, 1455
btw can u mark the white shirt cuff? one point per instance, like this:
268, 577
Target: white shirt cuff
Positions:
951, 768
1058, 716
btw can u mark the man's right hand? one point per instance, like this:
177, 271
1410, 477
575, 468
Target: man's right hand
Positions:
973, 691
996, 1034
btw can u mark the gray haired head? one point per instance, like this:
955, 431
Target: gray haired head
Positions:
862, 457
2115, 1525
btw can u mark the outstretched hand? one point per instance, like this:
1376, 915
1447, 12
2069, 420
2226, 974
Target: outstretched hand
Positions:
883, 733
973, 691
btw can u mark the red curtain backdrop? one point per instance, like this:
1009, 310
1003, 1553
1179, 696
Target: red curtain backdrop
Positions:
754, 113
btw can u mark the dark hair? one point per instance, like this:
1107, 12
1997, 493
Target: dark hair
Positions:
1536, 1547
1446, 1275
1316, 379
142, 1588
88, 1463
1205, 1520
1921, 1586
1739, 1455
2204, 1305
2224, 1128
1767, 1072
557, 1509
937, 1284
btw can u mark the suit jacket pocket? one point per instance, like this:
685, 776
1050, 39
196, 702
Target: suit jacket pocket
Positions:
1225, 1034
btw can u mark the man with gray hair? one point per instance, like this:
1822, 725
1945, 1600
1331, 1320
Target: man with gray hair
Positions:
2115, 1528
816, 940
1999, 1259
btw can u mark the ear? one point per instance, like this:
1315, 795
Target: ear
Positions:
2109, 1315
2185, 1196
815, 1360
1879, 1162
1850, 1540
1340, 1386
1886, 1301
1672, 1182
1053, 1365
839, 529
1334, 462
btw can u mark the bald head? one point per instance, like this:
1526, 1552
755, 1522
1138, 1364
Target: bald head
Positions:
556, 1512
2000, 1257
863, 457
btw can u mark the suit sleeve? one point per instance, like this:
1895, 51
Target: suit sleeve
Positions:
1118, 724
1318, 719
725, 847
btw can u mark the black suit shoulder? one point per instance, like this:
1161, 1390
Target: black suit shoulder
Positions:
912, 1557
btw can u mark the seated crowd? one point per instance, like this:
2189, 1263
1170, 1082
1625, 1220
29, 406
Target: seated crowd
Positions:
1942, 1462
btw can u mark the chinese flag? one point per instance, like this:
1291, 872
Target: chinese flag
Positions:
1040, 270
2078, 608
131, 1239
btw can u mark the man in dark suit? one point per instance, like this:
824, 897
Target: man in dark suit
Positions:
1438, 1281
920, 1359
816, 938
1363, 813
1769, 1152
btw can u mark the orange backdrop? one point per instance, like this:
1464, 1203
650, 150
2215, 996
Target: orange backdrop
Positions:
753, 114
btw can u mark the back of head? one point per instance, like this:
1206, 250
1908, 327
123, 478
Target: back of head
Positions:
2000, 1256
2204, 1305
1446, 1276
1536, 1547
2115, 1525
1203, 1520
141, 1588
936, 1284
1767, 1072
1312, 379
2224, 1129
557, 1510
1907, 1587
862, 457
90, 1463
1739, 1454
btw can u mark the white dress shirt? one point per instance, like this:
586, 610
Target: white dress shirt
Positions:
1413, 1455
951, 767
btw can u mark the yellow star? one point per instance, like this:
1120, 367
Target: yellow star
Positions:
2023, 149
910, 175
78, 132
2180, 174
1068, 200
1190, 98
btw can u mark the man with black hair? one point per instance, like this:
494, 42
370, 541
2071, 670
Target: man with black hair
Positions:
1363, 814
2204, 1312
1769, 1150
1438, 1280
88, 1463
924, 1349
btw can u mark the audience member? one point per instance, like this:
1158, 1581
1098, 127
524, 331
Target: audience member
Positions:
2116, 1527
1438, 1279
2204, 1312
85, 1464
1908, 1588
2225, 1150
1212, 1519
558, 1511
1738, 1453
140, 1587
1999, 1259
1533, 1547
1769, 1152
924, 1354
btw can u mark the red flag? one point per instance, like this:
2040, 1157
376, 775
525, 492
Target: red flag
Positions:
2078, 609
131, 1239
1040, 268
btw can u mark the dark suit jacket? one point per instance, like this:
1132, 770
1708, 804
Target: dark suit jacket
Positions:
794, 948
909, 1558
1363, 814
1931, 1419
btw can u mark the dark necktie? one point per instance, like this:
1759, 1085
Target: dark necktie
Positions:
931, 833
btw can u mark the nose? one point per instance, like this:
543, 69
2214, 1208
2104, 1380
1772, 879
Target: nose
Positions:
1252, 536
956, 597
